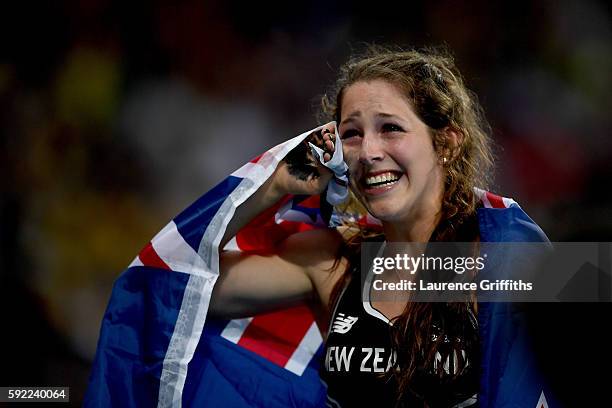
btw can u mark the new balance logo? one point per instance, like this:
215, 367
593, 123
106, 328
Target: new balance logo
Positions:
343, 323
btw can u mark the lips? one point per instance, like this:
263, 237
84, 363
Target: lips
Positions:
380, 181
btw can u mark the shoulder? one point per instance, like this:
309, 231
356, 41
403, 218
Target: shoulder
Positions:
319, 254
502, 219
313, 250
323, 241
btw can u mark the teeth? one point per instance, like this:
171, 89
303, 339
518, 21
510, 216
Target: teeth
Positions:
387, 178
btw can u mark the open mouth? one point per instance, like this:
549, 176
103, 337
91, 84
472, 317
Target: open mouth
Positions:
381, 180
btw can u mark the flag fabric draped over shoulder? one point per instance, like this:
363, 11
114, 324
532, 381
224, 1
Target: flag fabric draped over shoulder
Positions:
510, 376
157, 347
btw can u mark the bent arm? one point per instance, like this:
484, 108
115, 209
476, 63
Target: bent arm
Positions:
284, 180
250, 283
300, 270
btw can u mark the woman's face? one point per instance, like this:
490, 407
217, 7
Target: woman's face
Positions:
394, 170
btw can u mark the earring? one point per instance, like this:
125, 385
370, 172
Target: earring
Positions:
444, 160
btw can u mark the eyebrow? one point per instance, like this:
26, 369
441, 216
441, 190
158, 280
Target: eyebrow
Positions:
357, 114
351, 117
387, 115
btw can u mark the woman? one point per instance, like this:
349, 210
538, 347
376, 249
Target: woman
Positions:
416, 146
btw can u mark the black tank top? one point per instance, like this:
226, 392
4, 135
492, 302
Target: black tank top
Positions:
358, 353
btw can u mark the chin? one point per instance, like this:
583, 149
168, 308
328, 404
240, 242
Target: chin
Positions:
390, 207
384, 212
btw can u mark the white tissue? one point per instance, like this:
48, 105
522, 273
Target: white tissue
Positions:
337, 189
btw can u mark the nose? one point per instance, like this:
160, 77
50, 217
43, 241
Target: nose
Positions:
371, 150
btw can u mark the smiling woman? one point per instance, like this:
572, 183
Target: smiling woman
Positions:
412, 146
416, 146
410, 135
429, 99
394, 168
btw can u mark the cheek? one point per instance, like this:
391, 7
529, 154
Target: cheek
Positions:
417, 157
351, 157
424, 169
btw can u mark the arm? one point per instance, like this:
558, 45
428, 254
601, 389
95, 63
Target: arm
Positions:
251, 283
288, 179
300, 270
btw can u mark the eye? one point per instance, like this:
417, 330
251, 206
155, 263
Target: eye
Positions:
392, 127
349, 134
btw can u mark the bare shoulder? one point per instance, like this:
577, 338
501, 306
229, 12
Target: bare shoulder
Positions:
320, 256
326, 239
314, 249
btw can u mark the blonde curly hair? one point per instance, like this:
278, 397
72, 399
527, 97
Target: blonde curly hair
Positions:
436, 90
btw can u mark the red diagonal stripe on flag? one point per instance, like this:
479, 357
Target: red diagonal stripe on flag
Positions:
265, 239
256, 159
495, 200
149, 257
276, 336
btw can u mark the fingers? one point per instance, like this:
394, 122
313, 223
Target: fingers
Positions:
329, 139
325, 138
328, 147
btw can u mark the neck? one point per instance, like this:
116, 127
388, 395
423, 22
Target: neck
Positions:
417, 227
416, 231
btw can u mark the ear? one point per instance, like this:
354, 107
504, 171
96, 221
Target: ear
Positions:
454, 140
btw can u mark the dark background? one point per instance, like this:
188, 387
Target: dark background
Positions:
115, 115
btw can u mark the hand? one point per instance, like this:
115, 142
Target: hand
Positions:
300, 172
325, 139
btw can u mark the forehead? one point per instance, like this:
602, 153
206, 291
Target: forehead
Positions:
375, 96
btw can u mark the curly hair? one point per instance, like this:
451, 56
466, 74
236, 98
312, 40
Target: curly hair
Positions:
436, 91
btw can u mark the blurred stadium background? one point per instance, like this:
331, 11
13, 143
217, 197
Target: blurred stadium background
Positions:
116, 115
